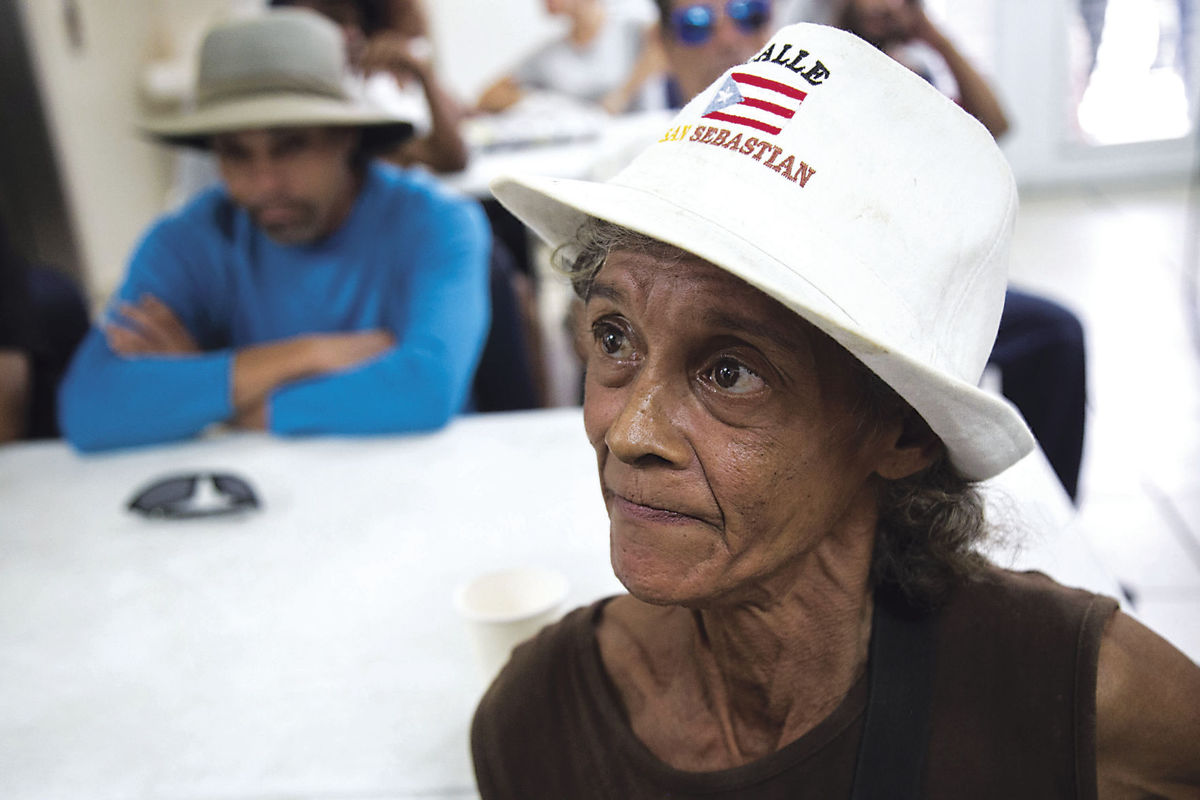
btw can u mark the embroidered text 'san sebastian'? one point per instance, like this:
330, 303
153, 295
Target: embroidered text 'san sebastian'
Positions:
764, 152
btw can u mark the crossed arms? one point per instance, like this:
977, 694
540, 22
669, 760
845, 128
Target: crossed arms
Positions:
162, 366
149, 328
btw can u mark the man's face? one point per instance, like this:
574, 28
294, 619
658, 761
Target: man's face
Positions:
879, 21
696, 65
297, 184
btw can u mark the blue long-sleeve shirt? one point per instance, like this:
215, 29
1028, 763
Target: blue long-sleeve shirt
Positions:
410, 258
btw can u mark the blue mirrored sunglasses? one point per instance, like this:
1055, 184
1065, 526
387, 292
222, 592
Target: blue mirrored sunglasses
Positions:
694, 24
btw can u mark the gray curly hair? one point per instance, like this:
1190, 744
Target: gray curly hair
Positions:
931, 523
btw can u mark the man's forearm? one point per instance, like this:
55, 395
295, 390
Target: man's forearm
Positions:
443, 147
15, 379
975, 95
108, 400
260, 369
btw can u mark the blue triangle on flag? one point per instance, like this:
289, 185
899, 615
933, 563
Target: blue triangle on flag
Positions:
727, 95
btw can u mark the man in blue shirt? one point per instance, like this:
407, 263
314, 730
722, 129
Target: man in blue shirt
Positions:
314, 291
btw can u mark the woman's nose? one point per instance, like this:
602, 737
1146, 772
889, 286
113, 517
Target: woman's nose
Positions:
647, 427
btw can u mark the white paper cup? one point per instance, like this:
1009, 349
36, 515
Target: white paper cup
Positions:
504, 608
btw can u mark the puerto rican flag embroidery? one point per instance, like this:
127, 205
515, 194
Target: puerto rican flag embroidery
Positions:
759, 103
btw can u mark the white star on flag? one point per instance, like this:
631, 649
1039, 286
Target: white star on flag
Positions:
728, 95
756, 102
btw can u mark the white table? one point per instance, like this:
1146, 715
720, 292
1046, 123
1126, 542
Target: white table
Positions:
310, 649
607, 144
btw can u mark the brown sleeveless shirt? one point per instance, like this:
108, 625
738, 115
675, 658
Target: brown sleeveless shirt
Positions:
1013, 713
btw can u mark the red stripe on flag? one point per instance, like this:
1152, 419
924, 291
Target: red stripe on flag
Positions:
750, 123
773, 108
767, 83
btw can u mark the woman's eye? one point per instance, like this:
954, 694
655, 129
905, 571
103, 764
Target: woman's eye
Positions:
611, 339
734, 377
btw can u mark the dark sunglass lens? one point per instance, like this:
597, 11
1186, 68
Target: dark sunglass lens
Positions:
235, 488
750, 15
164, 493
694, 24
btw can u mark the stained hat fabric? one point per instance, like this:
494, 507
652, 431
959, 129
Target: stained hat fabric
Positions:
846, 187
284, 68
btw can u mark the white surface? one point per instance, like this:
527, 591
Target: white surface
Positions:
1119, 258
503, 608
580, 144
311, 649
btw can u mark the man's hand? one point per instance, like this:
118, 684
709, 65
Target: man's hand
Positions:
260, 369
917, 25
333, 352
253, 417
389, 51
148, 328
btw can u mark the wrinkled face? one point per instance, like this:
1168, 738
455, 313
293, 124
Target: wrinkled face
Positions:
724, 428
695, 66
296, 183
878, 21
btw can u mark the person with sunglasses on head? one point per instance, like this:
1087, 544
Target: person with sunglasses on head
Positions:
701, 40
316, 289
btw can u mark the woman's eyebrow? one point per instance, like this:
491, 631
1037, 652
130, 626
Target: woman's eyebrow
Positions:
604, 291
788, 336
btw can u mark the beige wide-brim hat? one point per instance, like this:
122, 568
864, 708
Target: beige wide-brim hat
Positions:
847, 188
285, 68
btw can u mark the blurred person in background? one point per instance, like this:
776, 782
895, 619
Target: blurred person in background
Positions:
43, 318
388, 43
701, 40
903, 30
604, 59
315, 290
1039, 348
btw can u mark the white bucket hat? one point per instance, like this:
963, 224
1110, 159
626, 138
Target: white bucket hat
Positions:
284, 68
844, 186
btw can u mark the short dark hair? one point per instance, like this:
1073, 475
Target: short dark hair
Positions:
664, 12
931, 523
373, 14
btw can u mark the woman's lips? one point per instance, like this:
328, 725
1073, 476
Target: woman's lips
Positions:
629, 508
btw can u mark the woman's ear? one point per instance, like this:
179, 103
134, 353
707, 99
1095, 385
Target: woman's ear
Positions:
913, 449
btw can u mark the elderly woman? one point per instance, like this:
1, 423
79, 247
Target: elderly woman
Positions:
789, 300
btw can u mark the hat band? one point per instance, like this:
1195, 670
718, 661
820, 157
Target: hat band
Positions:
217, 91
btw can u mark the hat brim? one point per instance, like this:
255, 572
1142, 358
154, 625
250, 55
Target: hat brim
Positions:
195, 128
982, 433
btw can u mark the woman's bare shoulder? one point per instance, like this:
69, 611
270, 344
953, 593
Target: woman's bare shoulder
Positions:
1147, 715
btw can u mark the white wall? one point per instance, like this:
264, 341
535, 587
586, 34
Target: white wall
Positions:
480, 40
115, 180
1033, 75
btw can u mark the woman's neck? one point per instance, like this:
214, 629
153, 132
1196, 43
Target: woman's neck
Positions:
742, 677
586, 22
772, 671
